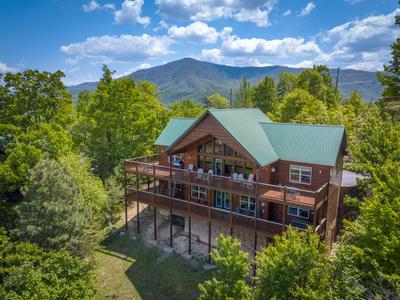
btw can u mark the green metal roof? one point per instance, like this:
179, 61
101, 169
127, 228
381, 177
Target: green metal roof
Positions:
244, 126
316, 144
174, 129
265, 140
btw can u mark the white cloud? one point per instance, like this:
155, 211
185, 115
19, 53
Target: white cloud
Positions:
307, 10
5, 69
197, 32
287, 13
131, 70
361, 44
123, 48
131, 13
93, 5
255, 11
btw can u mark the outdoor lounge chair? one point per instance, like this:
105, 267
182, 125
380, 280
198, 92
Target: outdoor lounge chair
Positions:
250, 181
190, 168
235, 176
199, 174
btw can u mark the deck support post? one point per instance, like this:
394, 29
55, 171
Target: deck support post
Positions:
137, 202
155, 202
126, 202
256, 210
231, 210
209, 218
190, 214
170, 202
284, 208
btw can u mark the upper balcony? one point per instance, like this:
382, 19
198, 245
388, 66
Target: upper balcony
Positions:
150, 166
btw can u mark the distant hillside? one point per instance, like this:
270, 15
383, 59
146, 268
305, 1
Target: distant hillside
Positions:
193, 79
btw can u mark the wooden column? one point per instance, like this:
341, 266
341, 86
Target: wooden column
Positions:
170, 203
190, 214
155, 201
255, 212
231, 213
126, 201
137, 198
284, 208
209, 218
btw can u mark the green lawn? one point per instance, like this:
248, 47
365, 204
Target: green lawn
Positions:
128, 269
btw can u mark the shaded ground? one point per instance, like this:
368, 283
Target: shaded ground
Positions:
128, 268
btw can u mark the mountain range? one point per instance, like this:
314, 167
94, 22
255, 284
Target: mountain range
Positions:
194, 79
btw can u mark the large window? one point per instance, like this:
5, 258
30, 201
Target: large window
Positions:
248, 169
228, 167
209, 147
218, 147
298, 212
222, 200
239, 167
300, 174
198, 192
200, 162
247, 204
228, 151
209, 164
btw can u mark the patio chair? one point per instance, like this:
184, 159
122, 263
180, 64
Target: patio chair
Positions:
199, 173
250, 181
240, 177
235, 176
209, 174
190, 168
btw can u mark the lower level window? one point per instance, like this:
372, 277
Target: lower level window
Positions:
298, 212
176, 186
222, 200
247, 203
198, 192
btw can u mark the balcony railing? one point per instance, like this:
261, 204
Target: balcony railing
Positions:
148, 166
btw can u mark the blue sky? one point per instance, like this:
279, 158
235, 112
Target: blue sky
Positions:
77, 37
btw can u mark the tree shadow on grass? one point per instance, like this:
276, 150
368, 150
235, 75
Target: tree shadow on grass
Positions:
154, 274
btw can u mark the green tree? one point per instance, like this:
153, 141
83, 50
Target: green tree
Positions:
294, 267
122, 120
26, 149
318, 83
229, 280
243, 95
286, 84
263, 94
28, 272
216, 101
32, 97
186, 109
372, 242
390, 78
301, 107
62, 207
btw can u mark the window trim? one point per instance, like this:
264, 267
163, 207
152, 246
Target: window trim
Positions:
248, 204
195, 192
300, 168
298, 212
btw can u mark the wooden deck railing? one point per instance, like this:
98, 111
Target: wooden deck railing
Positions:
148, 166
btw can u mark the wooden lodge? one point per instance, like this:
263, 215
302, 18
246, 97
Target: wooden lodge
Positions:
237, 167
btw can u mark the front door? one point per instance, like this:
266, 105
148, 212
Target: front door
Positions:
218, 167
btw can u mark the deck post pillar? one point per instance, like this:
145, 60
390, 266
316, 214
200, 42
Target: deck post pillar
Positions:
231, 210
190, 214
209, 218
137, 202
170, 202
126, 201
256, 211
155, 201
284, 208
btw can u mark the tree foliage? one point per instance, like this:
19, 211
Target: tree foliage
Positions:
216, 101
263, 95
122, 120
243, 95
62, 208
229, 281
29, 272
186, 109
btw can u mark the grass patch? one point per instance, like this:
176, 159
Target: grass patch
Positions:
128, 269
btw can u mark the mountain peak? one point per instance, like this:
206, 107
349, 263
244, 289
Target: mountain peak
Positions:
194, 79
